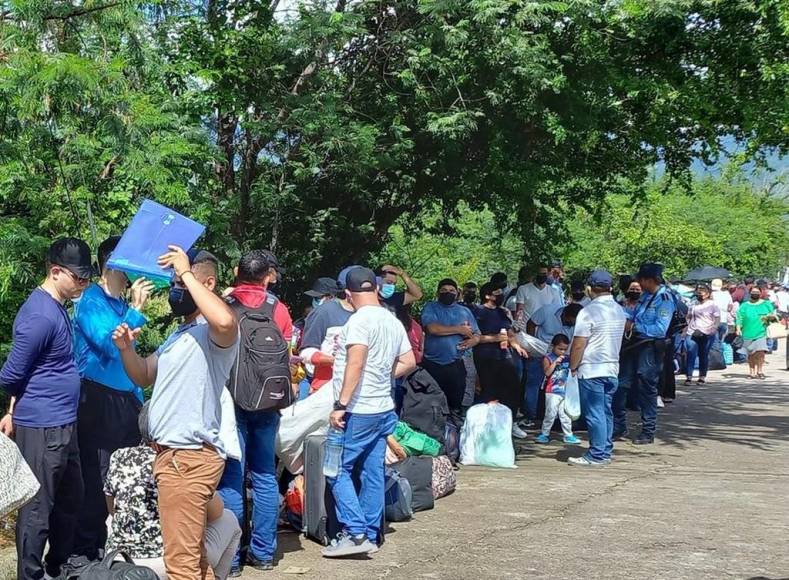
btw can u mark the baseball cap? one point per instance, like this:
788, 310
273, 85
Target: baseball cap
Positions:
650, 270
600, 279
323, 287
361, 280
72, 254
342, 277
198, 256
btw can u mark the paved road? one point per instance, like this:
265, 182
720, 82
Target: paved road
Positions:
708, 500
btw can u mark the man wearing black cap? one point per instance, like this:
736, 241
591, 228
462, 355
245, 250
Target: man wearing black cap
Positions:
374, 350
188, 373
643, 357
257, 429
594, 359
42, 378
319, 343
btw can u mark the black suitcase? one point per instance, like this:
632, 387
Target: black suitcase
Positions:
319, 519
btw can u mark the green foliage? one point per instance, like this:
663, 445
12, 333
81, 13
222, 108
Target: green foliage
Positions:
724, 224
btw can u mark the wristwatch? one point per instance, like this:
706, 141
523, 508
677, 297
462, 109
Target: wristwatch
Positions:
339, 406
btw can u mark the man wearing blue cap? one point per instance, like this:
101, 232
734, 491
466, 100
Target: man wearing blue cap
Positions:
643, 357
594, 359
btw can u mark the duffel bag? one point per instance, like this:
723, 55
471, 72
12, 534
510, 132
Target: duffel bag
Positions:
418, 470
397, 497
111, 569
444, 477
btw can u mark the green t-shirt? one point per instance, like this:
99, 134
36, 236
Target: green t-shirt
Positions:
749, 319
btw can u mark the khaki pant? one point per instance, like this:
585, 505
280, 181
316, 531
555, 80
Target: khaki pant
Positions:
187, 480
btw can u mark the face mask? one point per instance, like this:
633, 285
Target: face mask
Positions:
540, 279
633, 295
387, 291
755, 297
498, 299
447, 298
317, 302
469, 297
181, 301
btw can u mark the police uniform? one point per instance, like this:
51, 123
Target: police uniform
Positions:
644, 361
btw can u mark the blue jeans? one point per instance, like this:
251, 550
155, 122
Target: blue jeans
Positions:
534, 378
364, 448
257, 432
596, 397
645, 363
698, 348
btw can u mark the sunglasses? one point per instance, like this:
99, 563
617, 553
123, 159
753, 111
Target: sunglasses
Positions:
74, 277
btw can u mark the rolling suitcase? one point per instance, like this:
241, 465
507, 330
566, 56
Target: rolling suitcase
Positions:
320, 517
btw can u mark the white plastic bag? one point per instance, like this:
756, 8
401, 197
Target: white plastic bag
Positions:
572, 397
305, 417
486, 438
533, 345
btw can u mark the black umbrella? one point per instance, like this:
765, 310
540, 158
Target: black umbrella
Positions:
707, 273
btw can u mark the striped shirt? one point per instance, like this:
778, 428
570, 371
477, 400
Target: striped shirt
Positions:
603, 323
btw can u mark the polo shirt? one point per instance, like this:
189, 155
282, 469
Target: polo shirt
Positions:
603, 323
443, 350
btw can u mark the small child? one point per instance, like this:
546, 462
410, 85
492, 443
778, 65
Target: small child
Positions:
556, 366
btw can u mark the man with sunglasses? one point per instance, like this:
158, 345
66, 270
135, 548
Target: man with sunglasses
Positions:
42, 378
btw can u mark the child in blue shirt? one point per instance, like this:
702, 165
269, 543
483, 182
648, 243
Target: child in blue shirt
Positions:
556, 366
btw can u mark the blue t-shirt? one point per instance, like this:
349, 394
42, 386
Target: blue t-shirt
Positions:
548, 320
555, 384
491, 321
40, 370
443, 350
96, 315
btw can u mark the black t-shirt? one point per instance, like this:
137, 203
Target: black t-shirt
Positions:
491, 321
394, 302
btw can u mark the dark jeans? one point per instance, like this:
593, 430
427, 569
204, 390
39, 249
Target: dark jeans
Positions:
53, 455
698, 348
534, 380
452, 380
106, 421
499, 381
257, 433
645, 363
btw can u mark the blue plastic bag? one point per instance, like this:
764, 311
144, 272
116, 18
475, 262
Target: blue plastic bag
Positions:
153, 228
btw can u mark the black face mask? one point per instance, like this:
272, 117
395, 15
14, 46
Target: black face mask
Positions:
632, 295
755, 297
540, 279
447, 298
181, 301
578, 296
469, 297
498, 299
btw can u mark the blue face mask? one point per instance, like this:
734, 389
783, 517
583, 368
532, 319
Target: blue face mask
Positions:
387, 291
317, 302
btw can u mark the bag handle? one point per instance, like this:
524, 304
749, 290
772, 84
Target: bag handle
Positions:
109, 558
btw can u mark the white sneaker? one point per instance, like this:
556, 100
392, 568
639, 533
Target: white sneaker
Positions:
517, 432
660, 403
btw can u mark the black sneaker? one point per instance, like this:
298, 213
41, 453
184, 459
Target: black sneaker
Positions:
260, 565
644, 440
619, 435
235, 572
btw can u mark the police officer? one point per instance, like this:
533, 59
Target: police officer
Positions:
644, 351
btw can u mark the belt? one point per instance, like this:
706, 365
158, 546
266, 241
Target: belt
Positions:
164, 448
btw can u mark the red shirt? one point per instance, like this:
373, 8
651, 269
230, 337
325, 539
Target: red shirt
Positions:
252, 296
417, 339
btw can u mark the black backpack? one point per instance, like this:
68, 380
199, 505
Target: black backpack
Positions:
679, 320
425, 406
260, 379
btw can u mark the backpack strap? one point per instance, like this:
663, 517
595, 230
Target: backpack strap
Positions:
266, 308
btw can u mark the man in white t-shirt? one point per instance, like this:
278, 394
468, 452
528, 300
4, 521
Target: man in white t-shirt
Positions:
725, 304
374, 350
534, 295
594, 359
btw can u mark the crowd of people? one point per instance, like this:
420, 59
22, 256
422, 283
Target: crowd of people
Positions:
164, 481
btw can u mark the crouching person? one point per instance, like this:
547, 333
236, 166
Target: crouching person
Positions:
188, 373
374, 350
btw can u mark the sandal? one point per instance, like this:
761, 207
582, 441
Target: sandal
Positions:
761, 376
701, 381
688, 382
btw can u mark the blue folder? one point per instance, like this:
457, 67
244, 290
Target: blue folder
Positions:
153, 228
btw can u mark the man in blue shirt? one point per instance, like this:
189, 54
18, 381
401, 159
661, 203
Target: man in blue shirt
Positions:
450, 331
43, 381
110, 402
643, 357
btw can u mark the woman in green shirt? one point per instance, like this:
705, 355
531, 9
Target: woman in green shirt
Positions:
752, 320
